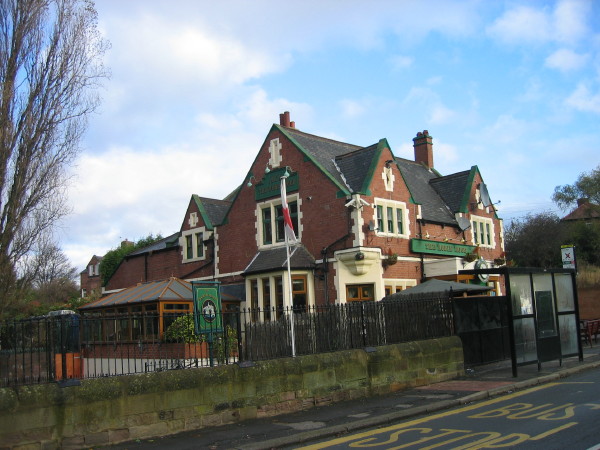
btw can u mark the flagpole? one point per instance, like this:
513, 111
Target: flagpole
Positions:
291, 297
288, 224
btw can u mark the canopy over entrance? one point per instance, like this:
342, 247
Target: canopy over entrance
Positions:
435, 285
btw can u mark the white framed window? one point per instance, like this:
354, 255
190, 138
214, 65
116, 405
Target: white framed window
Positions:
270, 226
265, 297
391, 218
482, 231
192, 244
393, 286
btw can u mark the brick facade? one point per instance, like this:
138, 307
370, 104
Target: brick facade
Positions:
337, 216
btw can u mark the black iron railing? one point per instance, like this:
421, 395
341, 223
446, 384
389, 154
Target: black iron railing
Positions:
55, 348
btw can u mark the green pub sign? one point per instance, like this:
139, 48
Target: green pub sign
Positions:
270, 185
207, 307
440, 248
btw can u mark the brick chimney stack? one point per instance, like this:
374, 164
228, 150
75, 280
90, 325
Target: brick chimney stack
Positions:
284, 120
423, 149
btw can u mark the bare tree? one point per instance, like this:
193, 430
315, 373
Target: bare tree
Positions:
50, 66
45, 263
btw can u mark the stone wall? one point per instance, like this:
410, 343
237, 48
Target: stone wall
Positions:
110, 410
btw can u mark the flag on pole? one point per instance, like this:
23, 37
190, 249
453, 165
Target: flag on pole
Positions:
287, 220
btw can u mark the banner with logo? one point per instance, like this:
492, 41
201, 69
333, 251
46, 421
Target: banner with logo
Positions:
208, 317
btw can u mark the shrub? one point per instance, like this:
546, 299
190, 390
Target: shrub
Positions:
182, 330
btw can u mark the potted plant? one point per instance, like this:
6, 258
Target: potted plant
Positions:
470, 257
391, 259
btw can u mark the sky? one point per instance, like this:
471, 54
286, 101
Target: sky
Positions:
510, 86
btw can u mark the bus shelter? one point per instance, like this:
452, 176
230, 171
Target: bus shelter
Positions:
543, 313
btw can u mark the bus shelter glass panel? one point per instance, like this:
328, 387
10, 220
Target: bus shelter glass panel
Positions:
565, 298
525, 342
520, 289
544, 305
568, 334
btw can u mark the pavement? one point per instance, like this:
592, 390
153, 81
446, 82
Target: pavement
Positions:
294, 429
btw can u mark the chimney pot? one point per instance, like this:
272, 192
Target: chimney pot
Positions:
582, 201
423, 145
284, 119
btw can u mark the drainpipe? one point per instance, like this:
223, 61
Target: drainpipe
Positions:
421, 255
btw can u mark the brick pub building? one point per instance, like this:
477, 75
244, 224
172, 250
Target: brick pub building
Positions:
369, 224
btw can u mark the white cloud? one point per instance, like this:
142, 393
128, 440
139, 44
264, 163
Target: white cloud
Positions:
155, 50
525, 25
566, 60
582, 99
522, 24
570, 20
254, 112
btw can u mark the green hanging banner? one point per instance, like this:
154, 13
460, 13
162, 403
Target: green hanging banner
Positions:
208, 317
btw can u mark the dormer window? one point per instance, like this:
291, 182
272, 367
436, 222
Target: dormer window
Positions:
192, 243
391, 218
270, 227
482, 229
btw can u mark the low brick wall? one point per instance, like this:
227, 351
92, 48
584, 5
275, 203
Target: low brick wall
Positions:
110, 410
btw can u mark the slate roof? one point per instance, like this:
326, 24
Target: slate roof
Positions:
172, 289
322, 151
355, 167
351, 166
276, 259
213, 210
452, 188
420, 181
